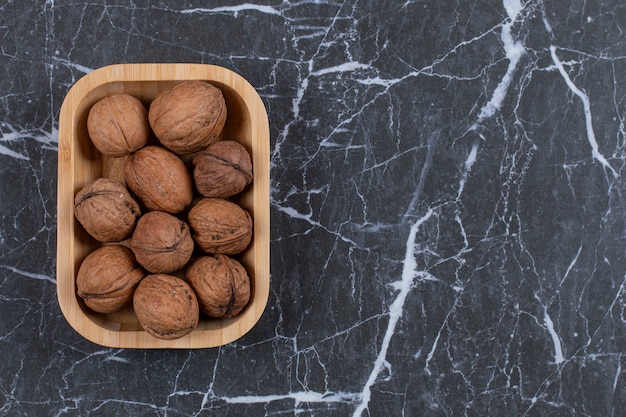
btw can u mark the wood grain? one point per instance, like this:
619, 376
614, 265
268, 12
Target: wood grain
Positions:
79, 163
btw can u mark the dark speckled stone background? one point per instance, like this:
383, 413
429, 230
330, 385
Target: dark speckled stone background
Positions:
447, 201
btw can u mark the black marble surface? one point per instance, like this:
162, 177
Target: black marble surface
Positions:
448, 208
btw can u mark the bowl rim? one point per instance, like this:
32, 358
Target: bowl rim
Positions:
107, 334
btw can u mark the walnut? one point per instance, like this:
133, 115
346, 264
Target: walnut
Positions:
159, 179
221, 284
188, 116
223, 169
161, 242
118, 125
106, 210
166, 306
107, 278
220, 226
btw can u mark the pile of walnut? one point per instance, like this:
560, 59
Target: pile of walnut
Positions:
171, 232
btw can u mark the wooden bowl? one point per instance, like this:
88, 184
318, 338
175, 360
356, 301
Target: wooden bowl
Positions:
80, 163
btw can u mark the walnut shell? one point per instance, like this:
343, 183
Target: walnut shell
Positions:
118, 125
222, 169
188, 116
220, 226
159, 179
106, 210
166, 306
161, 242
107, 278
221, 284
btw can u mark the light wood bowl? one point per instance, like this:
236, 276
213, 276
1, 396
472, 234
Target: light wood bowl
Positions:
80, 163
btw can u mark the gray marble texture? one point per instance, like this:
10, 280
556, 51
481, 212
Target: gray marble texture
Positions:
448, 205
